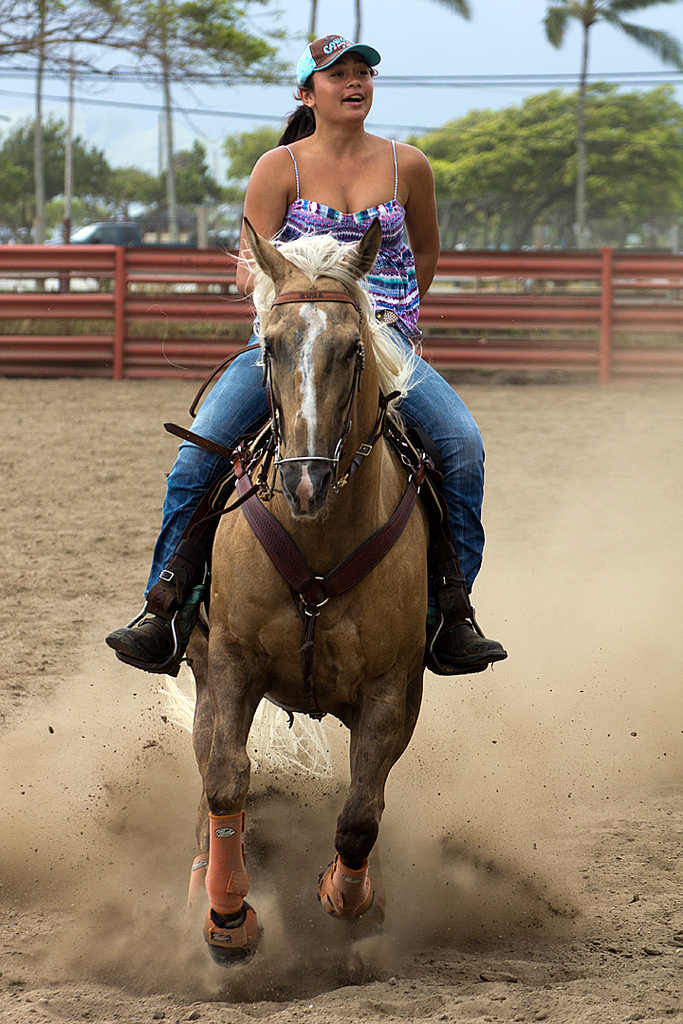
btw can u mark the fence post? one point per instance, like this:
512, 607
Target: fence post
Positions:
119, 311
606, 301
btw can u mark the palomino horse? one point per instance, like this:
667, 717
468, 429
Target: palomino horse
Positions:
327, 364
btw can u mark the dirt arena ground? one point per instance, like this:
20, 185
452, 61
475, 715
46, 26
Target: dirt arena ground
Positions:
532, 840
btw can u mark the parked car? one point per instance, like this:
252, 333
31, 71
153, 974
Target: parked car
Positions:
116, 233
108, 233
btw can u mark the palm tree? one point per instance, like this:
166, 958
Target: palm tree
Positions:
311, 24
459, 6
588, 12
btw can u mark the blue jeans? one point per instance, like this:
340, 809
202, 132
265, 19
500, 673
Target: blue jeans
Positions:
237, 405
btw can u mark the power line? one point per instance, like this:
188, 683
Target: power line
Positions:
280, 118
207, 111
408, 81
89, 101
530, 137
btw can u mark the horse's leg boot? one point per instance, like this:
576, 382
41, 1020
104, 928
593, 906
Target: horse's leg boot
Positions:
196, 893
231, 924
235, 941
345, 892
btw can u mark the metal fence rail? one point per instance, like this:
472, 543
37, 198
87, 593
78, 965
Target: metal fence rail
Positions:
114, 312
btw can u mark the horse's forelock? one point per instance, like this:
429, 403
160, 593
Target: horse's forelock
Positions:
319, 256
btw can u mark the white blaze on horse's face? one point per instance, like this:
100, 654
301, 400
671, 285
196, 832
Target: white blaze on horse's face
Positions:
316, 323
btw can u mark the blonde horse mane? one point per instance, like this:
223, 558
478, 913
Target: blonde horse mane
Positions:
320, 256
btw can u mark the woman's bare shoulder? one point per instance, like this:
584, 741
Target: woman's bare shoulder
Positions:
412, 158
272, 161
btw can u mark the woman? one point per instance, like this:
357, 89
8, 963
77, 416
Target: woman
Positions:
329, 175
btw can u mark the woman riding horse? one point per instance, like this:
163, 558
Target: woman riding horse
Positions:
329, 175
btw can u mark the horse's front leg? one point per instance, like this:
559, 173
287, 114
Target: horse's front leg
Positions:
221, 731
381, 727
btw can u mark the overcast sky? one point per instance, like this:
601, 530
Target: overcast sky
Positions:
504, 37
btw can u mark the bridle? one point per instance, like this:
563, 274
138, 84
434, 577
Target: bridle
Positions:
334, 460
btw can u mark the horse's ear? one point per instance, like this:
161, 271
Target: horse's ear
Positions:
363, 255
267, 257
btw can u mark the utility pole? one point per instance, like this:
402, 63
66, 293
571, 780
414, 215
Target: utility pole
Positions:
69, 159
38, 154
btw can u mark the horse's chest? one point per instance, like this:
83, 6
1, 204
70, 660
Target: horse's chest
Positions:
360, 634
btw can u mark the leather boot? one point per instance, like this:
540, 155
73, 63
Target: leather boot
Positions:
455, 643
155, 643
150, 641
156, 640
456, 646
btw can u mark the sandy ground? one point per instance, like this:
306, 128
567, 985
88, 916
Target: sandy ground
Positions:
531, 842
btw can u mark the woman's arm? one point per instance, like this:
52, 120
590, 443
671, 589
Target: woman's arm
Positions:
420, 207
271, 188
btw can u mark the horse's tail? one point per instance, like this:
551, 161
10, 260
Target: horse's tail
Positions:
273, 745
179, 701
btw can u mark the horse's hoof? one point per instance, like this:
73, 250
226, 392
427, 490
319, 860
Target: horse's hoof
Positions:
345, 892
233, 944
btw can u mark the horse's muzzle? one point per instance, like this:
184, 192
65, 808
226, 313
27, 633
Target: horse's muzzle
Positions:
306, 484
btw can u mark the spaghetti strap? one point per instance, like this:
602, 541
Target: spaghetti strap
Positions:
296, 169
393, 146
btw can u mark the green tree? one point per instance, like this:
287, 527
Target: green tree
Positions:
187, 40
15, 185
459, 6
588, 13
54, 35
131, 185
80, 22
243, 150
195, 184
499, 172
91, 170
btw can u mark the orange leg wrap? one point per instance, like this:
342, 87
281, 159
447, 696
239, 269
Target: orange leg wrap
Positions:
344, 892
227, 881
196, 893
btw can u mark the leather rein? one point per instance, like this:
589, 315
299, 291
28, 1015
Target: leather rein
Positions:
310, 590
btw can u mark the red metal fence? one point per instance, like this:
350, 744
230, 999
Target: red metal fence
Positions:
111, 312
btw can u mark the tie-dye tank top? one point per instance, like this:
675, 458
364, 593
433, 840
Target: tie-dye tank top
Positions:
392, 281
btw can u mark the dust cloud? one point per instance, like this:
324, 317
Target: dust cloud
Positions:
581, 582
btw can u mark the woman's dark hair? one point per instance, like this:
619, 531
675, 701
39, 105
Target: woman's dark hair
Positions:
300, 123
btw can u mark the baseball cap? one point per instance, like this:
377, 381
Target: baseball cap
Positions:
325, 51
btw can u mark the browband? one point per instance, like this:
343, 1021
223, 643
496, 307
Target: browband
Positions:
315, 297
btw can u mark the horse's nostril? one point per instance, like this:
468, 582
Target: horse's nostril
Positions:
305, 491
306, 484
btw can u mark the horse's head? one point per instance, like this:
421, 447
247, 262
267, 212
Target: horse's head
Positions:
313, 350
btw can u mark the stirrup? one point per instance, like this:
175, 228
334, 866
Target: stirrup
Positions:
169, 667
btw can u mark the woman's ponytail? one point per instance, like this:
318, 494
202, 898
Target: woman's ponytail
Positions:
300, 124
